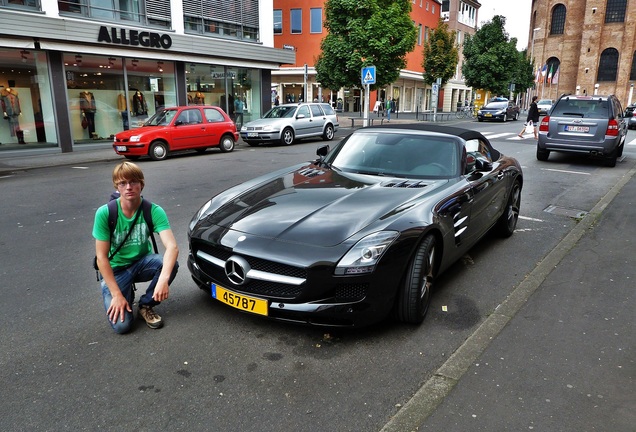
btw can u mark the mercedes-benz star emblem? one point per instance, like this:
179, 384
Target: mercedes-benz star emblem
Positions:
236, 269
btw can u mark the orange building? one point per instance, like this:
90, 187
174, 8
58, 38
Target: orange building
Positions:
298, 26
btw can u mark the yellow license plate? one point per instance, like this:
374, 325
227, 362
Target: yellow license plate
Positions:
239, 301
488, 115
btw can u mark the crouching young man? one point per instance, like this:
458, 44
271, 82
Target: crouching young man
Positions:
126, 256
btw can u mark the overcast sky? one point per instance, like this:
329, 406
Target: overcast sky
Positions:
517, 13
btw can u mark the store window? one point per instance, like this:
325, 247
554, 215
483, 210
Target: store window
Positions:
100, 106
235, 90
27, 104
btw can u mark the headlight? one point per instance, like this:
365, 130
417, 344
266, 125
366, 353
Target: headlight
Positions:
135, 138
199, 214
363, 257
243, 128
268, 128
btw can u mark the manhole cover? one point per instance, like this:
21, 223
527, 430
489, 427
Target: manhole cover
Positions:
573, 213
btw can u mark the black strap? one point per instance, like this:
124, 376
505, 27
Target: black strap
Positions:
110, 256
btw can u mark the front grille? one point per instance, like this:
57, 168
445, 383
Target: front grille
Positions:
350, 292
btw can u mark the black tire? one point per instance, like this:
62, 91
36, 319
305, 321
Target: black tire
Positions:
542, 155
610, 161
328, 134
507, 222
480, 120
158, 150
287, 136
505, 118
227, 144
414, 297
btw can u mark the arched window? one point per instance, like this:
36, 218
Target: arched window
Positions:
552, 71
615, 11
557, 26
608, 65
632, 74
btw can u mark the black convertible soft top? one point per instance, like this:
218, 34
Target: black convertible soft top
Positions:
465, 134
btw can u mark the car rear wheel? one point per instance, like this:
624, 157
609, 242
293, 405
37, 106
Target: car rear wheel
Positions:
542, 155
158, 151
414, 297
610, 161
287, 137
328, 135
507, 222
227, 144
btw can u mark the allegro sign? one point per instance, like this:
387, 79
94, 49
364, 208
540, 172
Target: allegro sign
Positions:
134, 38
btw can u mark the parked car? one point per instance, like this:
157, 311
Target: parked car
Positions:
592, 125
498, 110
544, 106
178, 128
361, 232
289, 122
629, 116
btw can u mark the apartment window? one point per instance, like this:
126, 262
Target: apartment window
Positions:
296, 21
236, 19
445, 5
557, 26
315, 20
278, 21
433, 9
419, 34
21, 4
615, 11
150, 12
632, 74
608, 65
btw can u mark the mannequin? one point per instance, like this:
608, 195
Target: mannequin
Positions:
121, 106
139, 104
199, 98
11, 110
88, 108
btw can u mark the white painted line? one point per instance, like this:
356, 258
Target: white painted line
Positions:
565, 171
80, 167
530, 219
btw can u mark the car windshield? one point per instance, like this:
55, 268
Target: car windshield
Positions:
397, 154
588, 108
161, 118
545, 102
281, 112
496, 105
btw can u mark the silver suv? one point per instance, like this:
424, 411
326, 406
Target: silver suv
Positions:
592, 125
289, 122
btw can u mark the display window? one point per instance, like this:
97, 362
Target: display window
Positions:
28, 117
235, 90
99, 104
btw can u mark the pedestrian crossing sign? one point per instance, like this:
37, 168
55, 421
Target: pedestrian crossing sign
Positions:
368, 75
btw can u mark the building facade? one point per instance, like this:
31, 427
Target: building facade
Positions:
298, 27
79, 71
584, 47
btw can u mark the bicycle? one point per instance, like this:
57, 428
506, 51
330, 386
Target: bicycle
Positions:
465, 112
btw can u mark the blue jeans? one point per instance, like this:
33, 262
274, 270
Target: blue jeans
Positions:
146, 269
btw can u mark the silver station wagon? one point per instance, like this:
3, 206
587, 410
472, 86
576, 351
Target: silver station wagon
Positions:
287, 123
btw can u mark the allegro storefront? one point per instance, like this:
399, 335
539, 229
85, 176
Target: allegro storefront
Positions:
70, 82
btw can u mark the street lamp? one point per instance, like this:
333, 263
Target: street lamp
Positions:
534, 31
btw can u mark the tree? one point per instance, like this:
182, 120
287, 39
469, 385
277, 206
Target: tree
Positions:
372, 32
490, 58
440, 54
524, 74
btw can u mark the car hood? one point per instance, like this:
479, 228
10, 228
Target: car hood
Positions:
138, 131
318, 206
267, 121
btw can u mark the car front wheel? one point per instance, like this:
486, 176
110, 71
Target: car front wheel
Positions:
414, 297
158, 151
287, 137
508, 221
227, 144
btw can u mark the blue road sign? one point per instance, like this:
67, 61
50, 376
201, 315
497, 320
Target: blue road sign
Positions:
368, 75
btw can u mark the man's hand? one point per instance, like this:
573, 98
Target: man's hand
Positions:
162, 290
118, 307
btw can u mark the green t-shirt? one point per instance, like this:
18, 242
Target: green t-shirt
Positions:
138, 243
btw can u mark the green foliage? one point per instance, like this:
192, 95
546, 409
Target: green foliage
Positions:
363, 33
440, 54
491, 60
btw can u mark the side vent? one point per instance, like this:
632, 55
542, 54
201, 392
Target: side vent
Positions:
405, 184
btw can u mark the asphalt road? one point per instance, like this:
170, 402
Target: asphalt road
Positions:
212, 368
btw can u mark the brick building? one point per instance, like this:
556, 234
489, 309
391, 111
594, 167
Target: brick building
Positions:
590, 47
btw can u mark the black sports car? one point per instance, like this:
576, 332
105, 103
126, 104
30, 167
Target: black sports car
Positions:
359, 233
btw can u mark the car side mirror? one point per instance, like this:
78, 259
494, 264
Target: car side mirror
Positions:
178, 123
322, 151
482, 164
300, 116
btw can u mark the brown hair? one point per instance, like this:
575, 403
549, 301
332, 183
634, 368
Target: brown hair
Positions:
128, 171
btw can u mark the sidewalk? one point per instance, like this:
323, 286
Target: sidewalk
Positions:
559, 354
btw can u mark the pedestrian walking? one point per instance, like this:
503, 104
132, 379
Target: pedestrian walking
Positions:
124, 254
533, 116
389, 106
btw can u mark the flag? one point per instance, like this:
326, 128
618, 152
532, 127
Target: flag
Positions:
537, 76
550, 75
555, 77
544, 69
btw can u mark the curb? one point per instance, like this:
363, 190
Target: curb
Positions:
433, 392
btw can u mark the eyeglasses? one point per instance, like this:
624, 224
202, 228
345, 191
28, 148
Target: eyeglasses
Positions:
122, 184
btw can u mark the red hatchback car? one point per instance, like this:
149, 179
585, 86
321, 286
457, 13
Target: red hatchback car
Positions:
178, 128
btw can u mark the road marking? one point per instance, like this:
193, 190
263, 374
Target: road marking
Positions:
565, 171
80, 167
530, 219
632, 142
